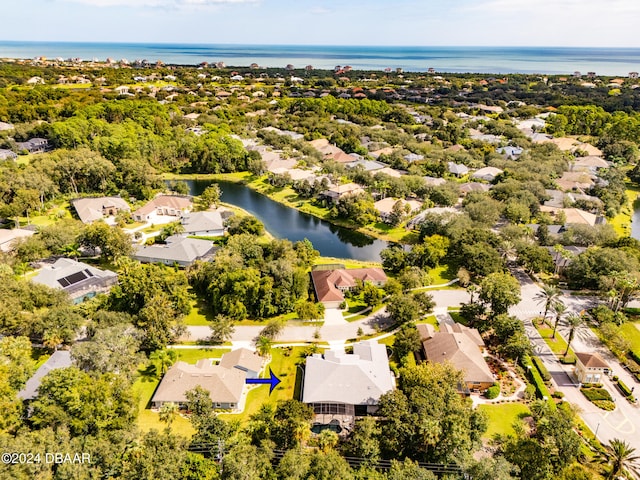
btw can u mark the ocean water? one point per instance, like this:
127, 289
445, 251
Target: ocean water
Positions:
549, 60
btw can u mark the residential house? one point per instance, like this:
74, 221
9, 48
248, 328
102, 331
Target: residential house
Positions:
563, 257
163, 206
205, 224
391, 172
385, 207
413, 157
340, 386
367, 165
463, 348
339, 191
59, 359
574, 215
91, 209
589, 164
510, 153
487, 174
590, 368
175, 251
469, 187
575, 181
457, 169
79, 280
7, 154
330, 285
433, 181
34, 145
9, 237
225, 383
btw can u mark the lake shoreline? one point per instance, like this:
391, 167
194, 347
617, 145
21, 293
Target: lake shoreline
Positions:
251, 181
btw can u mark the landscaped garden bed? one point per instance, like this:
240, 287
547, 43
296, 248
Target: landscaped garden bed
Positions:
599, 396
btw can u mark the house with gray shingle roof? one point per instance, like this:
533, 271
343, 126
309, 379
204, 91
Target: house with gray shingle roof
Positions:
225, 381
457, 169
175, 251
208, 223
79, 280
7, 154
59, 359
341, 386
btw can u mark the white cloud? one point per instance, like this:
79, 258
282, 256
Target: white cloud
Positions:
320, 11
160, 3
556, 7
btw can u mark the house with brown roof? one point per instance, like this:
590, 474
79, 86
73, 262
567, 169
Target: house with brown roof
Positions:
462, 347
91, 209
224, 381
336, 193
590, 368
330, 285
385, 207
164, 205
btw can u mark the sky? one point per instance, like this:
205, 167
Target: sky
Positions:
575, 23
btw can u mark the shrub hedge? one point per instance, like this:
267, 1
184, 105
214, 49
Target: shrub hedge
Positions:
492, 392
595, 394
544, 373
626, 391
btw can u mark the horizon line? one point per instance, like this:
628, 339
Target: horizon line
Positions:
105, 42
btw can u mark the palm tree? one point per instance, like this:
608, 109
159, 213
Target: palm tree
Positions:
620, 455
263, 345
548, 295
574, 321
168, 413
558, 308
165, 358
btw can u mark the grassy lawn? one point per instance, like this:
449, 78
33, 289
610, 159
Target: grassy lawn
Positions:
458, 318
237, 177
199, 316
558, 345
631, 331
284, 365
442, 274
347, 262
622, 222
502, 417
432, 320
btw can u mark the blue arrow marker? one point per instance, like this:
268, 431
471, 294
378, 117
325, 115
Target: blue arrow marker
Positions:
273, 381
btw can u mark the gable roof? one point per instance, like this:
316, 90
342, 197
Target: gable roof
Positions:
91, 209
463, 353
360, 378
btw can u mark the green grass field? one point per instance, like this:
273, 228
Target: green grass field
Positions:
631, 331
284, 365
502, 417
557, 345
622, 222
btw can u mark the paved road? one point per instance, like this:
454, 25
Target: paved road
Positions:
621, 423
